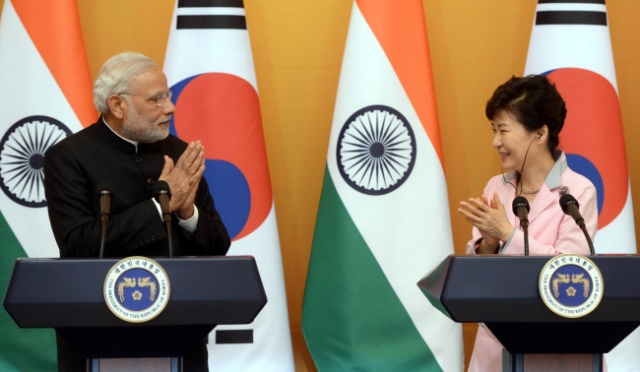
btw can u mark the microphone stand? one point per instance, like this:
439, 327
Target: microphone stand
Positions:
570, 206
103, 237
105, 201
525, 229
163, 194
166, 217
586, 235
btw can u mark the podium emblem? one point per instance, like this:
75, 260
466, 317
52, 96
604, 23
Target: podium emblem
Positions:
571, 285
136, 289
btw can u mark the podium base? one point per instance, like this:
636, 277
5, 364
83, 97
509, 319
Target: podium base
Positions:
135, 365
551, 362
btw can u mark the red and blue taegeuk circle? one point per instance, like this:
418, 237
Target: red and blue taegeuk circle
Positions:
223, 112
592, 136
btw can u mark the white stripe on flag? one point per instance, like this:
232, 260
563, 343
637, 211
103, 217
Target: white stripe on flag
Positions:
417, 232
609, 239
271, 349
224, 49
228, 51
588, 47
28, 89
554, 39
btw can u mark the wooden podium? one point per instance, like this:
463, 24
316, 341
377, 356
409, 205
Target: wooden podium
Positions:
502, 292
67, 294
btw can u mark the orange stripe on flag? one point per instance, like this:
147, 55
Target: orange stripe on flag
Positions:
54, 28
399, 27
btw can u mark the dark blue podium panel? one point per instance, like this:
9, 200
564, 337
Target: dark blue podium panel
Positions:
502, 292
67, 294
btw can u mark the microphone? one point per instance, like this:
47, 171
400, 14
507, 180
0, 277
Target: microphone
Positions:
163, 195
570, 206
521, 209
104, 196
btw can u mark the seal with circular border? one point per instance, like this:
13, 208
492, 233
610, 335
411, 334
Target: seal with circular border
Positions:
136, 289
571, 285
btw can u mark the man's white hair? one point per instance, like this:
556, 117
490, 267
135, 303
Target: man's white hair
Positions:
115, 75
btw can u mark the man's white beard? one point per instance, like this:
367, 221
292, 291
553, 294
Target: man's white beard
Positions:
139, 129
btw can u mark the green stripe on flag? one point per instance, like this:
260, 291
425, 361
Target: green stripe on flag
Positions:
352, 319
21, 349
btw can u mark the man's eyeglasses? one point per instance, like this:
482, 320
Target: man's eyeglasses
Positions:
158, 98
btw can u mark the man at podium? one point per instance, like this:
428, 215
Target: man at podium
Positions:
526, 115
129, 156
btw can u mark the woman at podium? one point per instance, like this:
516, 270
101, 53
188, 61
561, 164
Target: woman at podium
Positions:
526, 116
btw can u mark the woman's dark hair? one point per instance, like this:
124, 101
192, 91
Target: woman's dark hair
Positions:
533, 101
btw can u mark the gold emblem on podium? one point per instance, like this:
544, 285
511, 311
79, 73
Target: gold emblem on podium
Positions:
136, 289
571, 285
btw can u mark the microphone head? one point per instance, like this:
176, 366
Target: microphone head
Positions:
566, 200
519, 202
161, 187
102, 192
105, 196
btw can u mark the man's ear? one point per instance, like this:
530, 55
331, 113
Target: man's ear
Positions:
116, 105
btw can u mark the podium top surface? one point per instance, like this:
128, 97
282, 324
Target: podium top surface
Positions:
61, 293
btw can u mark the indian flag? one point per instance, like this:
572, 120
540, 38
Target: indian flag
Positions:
209, 66
570, 43
46, 95
383, 219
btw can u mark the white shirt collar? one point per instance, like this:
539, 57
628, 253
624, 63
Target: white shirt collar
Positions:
554, 178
